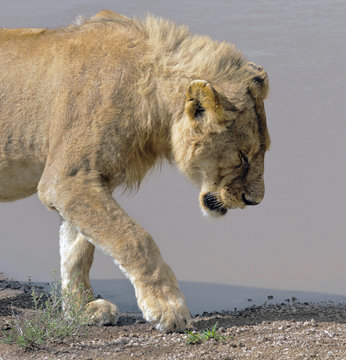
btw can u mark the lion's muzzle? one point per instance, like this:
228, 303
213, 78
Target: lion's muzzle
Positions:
211, 202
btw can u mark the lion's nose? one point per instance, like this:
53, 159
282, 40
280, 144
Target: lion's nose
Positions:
249, 201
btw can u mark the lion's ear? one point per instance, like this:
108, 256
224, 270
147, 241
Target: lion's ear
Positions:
258, 81
200, 98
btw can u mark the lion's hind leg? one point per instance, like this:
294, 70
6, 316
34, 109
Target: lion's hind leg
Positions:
76, 257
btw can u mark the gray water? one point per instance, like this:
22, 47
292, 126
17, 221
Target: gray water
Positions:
296, 239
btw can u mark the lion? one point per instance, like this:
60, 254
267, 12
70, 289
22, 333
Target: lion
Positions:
93, 106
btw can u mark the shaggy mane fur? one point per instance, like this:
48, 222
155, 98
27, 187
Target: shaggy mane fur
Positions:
174, 48
174, 57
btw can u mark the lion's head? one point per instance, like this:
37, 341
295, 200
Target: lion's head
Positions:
221, 140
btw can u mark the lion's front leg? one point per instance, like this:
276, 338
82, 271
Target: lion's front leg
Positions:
76, 257
95, 214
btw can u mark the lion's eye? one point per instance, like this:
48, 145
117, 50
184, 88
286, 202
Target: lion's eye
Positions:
244, 163
243, 158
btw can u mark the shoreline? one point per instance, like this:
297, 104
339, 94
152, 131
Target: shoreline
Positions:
201, 297
295, 330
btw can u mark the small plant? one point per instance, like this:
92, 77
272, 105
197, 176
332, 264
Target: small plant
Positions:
194, 337
48, 323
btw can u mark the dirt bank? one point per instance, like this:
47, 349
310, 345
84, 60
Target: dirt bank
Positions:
291, 330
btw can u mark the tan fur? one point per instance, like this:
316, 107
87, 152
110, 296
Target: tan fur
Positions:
95, 105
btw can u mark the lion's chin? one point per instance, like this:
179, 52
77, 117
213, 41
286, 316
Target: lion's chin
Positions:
214, 213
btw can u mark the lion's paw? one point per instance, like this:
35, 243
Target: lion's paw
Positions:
166, 309
102, 312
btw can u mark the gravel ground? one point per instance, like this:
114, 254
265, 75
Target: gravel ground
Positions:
291, 330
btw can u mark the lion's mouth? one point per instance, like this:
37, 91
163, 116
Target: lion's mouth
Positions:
212, 203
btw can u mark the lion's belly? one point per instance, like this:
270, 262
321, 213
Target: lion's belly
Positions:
18, 178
